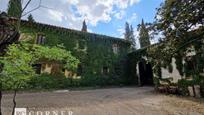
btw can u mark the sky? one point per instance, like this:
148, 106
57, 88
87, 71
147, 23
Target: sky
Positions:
105, 17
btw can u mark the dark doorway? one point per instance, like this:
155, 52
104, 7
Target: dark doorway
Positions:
149, 74
145, 73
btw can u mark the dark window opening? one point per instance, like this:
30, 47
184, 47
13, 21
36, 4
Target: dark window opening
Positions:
63, 69
105, 70
190, 66
37, 68
40, 39
79, 70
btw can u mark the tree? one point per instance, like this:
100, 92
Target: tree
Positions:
132, 37
19, 59
84, 26
14, 8
30, 18
180, 21
6, 39
144, 38
129, 35
127, 31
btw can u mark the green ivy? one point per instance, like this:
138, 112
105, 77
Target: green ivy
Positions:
94, 51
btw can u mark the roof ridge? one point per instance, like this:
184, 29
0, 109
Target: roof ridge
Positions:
63, 28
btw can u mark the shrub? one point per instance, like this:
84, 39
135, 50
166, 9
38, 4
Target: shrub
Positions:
156, 82
183, 86
43, 81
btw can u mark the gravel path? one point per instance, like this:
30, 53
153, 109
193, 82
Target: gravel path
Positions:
113, 101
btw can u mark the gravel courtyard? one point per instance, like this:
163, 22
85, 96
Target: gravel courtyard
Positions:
113, 101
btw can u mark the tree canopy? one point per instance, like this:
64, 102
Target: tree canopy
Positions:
30, 18
144, 38
19, 59
14, 8
180, 21
129, 35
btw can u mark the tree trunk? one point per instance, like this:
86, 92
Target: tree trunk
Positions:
0, 101
14, 102
0, 91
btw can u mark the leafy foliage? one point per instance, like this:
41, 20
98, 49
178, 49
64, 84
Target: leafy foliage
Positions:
14, 8
93, 51
180, 25
144, 38
19, 59
180, 22
129, 35
30, 18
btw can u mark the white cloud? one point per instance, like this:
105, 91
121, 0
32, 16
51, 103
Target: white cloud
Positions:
74, 2
61, 12
121, 32
134, 2
55, 15
120, 15
132, 18
95, 11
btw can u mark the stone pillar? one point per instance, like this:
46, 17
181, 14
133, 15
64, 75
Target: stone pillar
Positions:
197, 91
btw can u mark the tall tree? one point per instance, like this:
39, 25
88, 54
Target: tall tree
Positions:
132, 37
181, 22
177, 19
127, 31
30, 18
129, 35
14, 8
84, 26
144, 38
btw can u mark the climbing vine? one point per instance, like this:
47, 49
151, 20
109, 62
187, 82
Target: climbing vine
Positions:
94, 51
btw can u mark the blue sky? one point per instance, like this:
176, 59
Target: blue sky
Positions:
106, 17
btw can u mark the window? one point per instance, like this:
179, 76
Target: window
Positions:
105, 70
81, 44
115, 48
63, 69
40, 39
79, 69
190, 66
37, 68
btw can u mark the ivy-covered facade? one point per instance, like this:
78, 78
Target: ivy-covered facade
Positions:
175, 72
99, 55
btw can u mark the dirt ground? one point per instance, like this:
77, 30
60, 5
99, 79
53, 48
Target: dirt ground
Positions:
112, 101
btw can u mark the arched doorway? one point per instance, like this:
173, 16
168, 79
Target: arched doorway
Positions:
145, 73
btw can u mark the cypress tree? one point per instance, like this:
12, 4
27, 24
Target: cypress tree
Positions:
30, 18
84, 26
144, 38
127, 31
129, 35
132, 37
14, 8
